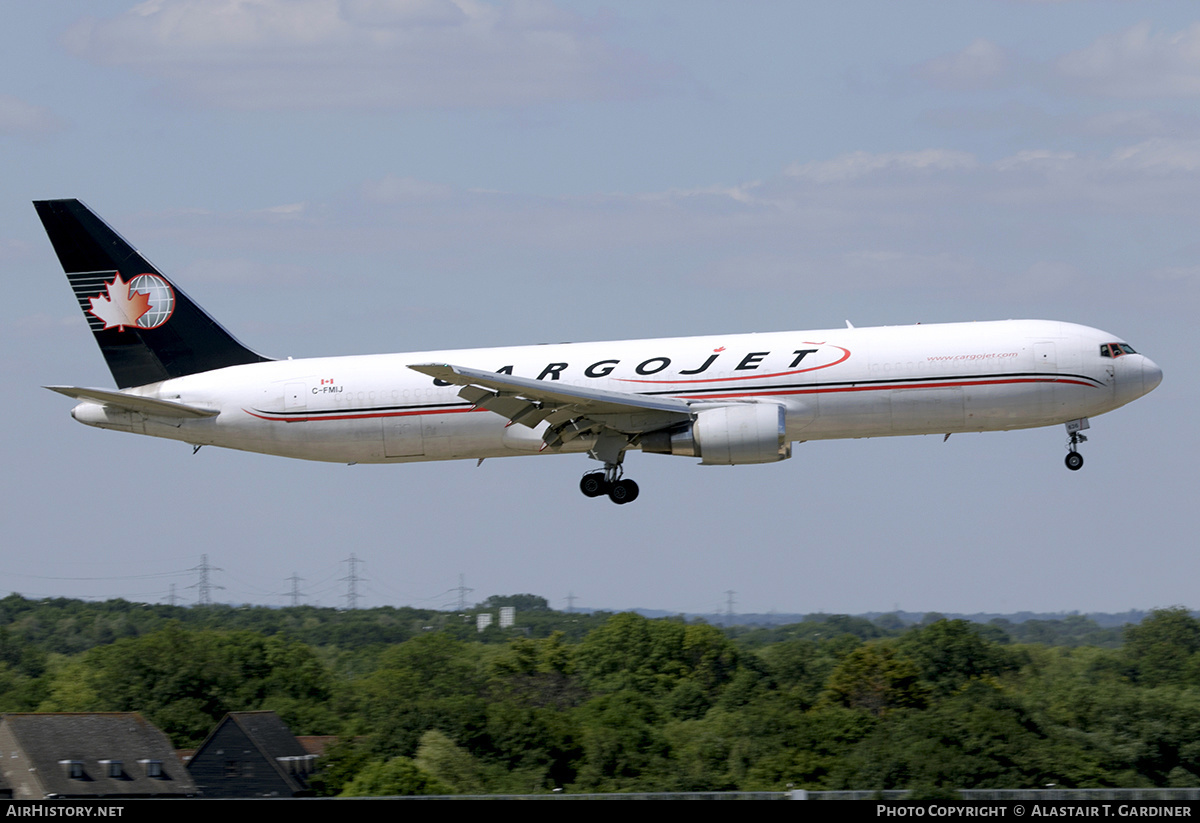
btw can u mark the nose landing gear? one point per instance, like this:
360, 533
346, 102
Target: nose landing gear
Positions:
1074, 459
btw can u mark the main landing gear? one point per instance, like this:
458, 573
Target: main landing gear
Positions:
609, 449
609, 481
1074, 459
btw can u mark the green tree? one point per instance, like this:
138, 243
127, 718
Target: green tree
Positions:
430, 682
949, 653
521, 602
393, 778
451, 765
342, 761
1161, 650
185, 681
874, 679
799, 668
622, 741
653, 656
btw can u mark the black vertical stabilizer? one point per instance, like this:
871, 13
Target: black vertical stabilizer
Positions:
147, 328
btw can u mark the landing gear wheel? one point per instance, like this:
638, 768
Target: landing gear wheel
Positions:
593, 485
623, 491
1074, 459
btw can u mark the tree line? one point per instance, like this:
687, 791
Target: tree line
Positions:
422, 703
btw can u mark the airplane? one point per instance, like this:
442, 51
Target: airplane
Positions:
727, 399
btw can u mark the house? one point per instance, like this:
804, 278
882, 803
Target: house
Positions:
251, 754
76, 754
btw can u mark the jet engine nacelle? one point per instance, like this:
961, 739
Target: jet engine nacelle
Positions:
728, 436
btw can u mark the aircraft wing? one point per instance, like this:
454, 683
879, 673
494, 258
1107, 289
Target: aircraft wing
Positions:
570, 411
133, 402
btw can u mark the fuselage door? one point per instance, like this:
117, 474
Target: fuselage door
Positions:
402, 436
1044, 359
295, 397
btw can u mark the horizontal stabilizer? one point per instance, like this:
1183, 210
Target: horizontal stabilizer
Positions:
132, 402
146, 327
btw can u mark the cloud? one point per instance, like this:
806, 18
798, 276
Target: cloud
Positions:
1159, 156
389, 13
919, 204
980, 65
1037, 159
25, 119
287, 210
860, 164
926, 224
1137, 62
393, 189
1154, 180
374, 54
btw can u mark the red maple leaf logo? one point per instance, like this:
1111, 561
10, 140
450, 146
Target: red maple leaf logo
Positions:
122, 307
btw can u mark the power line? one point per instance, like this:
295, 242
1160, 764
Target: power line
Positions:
295, 589
352, 579
204, 586
463, 591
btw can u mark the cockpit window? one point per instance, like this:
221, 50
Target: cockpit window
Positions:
1115, 349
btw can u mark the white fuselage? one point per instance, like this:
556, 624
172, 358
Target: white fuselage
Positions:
835, 383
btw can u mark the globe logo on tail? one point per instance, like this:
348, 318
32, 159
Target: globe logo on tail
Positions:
145, 302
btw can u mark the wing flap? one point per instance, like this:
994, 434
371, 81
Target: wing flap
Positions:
595, 401
571, 412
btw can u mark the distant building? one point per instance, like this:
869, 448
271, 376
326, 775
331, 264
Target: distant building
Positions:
75, 754
251, 754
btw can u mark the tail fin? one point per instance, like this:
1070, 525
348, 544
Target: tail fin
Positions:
147, 328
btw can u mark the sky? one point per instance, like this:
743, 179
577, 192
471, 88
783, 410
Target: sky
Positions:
358, 176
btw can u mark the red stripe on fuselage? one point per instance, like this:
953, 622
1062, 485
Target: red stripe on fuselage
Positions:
727, 396
839, 389
357, 416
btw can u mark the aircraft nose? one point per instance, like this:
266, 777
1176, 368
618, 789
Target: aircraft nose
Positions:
1151, 375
